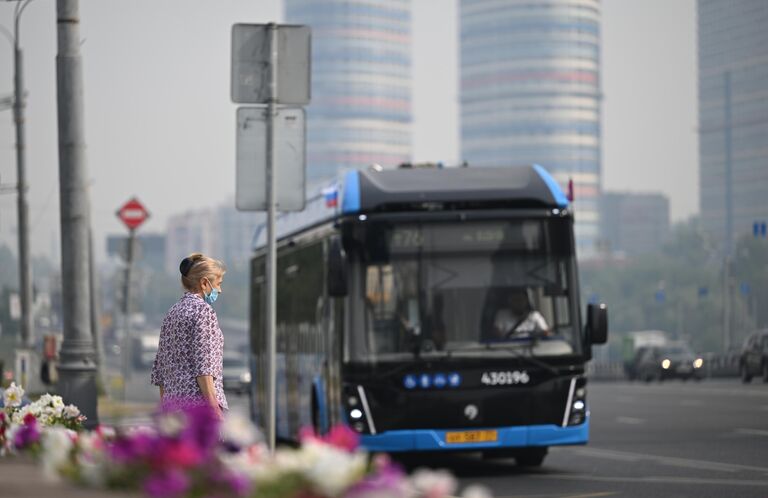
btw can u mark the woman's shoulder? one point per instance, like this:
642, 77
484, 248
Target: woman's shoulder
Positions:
188, 304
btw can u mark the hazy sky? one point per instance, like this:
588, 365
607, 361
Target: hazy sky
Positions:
160, 124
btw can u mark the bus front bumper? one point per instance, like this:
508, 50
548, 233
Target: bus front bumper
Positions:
507, 437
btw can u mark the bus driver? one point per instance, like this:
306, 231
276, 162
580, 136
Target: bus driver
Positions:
518, 318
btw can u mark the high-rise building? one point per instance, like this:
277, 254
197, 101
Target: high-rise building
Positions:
733, 116
223, 233
530, 93
632, 223
360, 112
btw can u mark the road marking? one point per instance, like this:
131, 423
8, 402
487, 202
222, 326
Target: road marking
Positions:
655, 479
751, 432
599, 494
630, 420
690, 402
689, 390
670, 461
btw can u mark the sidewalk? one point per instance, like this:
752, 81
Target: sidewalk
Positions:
21, 477
115, 413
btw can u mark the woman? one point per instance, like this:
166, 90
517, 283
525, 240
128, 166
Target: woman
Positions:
188, 365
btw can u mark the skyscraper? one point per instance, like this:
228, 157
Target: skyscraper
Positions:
360, 113
733, 116
530, 93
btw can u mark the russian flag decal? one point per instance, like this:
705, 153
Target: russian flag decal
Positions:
331, 195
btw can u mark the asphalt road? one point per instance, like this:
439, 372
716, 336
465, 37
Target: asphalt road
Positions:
676, 439
707, 439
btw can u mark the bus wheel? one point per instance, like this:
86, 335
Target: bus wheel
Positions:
315, 413
745, 376
531, 457
765, 371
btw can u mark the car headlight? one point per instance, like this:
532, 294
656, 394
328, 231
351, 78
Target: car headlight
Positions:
245, 377
698, 362
665, 364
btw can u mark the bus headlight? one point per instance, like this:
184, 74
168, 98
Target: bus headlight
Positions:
665, 364
577, 412
698, 362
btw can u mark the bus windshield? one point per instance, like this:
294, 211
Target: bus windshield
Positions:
469, 289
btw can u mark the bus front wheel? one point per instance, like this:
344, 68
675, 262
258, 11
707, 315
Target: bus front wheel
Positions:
531, 457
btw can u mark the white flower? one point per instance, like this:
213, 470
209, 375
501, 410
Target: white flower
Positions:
90, 459
433, 483
239, 430
71, 411
57, 445
13, 395
331, 469
476, 491
251, 462
171, 424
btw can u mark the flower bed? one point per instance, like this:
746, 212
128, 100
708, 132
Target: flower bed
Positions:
188, 452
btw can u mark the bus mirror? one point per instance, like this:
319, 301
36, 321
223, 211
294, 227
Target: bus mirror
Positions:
597, 323
337, 269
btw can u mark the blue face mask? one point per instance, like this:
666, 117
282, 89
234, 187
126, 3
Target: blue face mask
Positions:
210, 297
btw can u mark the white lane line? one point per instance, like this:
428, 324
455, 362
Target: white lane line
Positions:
670, 390
687, 481
669, 461
630, 420
751, 432
691, 402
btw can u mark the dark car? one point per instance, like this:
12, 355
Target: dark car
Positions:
754, 357
236, 375
672, 361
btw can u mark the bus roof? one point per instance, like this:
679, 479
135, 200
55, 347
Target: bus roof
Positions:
531, 186
365, 191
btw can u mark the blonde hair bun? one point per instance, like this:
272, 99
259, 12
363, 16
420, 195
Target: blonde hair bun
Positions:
198, 266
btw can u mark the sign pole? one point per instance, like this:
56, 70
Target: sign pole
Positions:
126, 349
271, 306
133, 214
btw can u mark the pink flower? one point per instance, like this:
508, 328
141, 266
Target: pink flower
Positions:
340, 436
28, 434
166, 484
178, 454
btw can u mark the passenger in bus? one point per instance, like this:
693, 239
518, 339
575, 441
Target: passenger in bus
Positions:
518, 318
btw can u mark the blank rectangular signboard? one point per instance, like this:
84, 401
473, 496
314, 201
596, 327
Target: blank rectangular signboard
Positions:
290, 159
251, 64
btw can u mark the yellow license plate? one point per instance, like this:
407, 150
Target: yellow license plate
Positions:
470, 437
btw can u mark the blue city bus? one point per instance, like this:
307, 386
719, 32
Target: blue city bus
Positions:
430, 309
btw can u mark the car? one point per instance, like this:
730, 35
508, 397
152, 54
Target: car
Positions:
236, 374
754, 357
673, 360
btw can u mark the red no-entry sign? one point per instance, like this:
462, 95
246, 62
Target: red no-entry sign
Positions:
133, 214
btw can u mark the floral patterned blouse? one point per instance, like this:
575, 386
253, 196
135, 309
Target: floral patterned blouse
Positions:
191, 345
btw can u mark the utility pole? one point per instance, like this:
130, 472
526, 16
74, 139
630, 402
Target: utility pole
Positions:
727, 293
77, 383
25, 268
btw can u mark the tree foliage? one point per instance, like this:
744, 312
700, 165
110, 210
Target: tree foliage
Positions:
679, 289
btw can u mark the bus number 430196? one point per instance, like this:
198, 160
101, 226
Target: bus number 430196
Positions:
504, 378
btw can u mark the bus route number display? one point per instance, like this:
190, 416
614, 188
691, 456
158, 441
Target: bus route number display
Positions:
469, 236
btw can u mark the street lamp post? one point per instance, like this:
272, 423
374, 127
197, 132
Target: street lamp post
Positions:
25, 269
